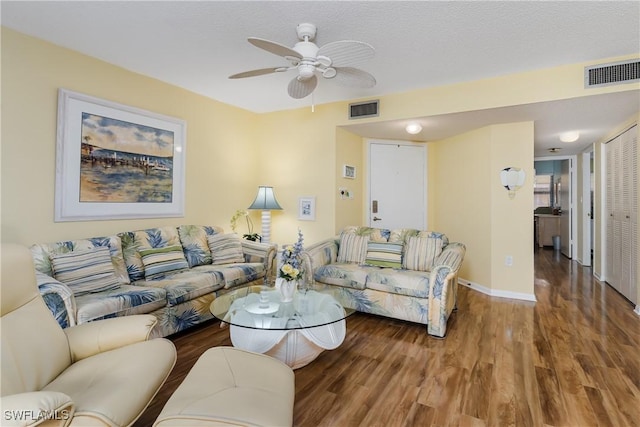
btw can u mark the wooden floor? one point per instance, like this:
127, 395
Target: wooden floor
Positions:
571, 359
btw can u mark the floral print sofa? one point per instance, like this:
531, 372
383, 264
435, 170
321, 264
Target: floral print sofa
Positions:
406, 274
173, 273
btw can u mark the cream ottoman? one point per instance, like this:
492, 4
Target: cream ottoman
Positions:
229, 386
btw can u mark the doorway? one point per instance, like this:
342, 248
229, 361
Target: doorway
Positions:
563, 199
397, 185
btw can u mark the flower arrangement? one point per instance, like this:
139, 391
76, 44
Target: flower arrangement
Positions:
250, 235
291, 260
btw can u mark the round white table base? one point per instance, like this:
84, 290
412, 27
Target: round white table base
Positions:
293, 348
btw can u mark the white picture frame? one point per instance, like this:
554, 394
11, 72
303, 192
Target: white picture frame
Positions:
307, 208
117, 162
349, 172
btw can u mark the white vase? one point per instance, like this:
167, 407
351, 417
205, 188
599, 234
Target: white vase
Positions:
287, 289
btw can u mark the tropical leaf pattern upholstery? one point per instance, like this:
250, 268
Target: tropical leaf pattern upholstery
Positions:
124, 301
178, 299
427, 297
194, 242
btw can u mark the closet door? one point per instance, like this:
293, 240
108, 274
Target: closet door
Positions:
630, 181
622, 213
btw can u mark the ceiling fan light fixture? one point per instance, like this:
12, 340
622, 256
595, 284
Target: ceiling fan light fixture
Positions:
413, 128
570, 136
305, 71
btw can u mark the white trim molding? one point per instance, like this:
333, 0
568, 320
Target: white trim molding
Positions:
496, 292
637, 310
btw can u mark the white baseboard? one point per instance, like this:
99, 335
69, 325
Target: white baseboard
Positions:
637, 310
496, 292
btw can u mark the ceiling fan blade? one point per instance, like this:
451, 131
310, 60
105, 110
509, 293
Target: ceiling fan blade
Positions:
298, 89
347, 52
259, 72
348, 76
273, 47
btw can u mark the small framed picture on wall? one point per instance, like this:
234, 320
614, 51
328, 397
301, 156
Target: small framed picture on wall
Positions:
307, 208
349, 171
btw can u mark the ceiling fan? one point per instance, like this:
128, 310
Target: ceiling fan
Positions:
331, 61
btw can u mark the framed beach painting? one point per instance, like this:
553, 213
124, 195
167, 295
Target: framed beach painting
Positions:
307, 208
117, 162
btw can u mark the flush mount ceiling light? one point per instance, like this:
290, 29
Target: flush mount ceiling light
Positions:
570, 136
413, 128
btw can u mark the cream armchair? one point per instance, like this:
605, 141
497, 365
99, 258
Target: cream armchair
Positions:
103, 373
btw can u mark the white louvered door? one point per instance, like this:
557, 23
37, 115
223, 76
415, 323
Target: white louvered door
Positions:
622, 213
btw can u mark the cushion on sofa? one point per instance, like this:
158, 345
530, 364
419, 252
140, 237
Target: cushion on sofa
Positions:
124, 301
42, 253
195, 244
348, 275
421, 252
135, 241
401, 282
85, 271
188, 284
374, 234
383, 254
239, 274
353, 248
160, 261
225, 248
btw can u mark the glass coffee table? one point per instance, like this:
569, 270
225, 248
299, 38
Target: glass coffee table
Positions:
295, 332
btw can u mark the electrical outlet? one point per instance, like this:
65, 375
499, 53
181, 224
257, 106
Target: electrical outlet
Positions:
508, 260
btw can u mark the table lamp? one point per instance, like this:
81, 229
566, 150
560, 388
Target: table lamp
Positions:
265, 201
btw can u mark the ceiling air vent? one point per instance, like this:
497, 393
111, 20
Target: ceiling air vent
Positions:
363, 110
612, 73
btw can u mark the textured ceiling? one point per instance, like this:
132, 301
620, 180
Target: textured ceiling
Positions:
419, 44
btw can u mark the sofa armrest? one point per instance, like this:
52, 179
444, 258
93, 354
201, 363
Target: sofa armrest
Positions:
261, 252
442, 298
30, 409
59, 299
321, 253
451, 256
91, 338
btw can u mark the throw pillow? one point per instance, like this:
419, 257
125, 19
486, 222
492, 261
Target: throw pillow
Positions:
225, 248
160, 261
381, 254
421, 253
353, 248
85, 271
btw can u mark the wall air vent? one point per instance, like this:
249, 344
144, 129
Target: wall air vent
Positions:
612, 73
362, 110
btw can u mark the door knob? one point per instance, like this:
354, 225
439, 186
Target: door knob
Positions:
375, 218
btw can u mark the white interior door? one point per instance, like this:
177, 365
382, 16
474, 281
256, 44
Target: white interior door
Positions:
587, 208
397, 196
565, 205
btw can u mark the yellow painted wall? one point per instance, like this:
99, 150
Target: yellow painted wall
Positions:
459, 191
511, 218
472, 206
297, 150
349, 151
221, 168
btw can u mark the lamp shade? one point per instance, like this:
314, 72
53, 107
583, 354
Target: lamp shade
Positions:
265, 200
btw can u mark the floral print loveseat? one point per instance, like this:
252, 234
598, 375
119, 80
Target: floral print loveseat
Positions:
173, 273
406, 274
